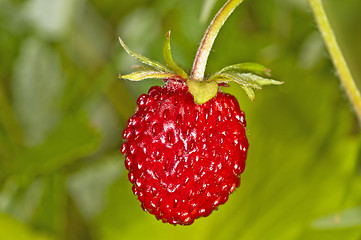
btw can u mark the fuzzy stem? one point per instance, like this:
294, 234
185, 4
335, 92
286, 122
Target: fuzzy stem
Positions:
200, 62
336, 55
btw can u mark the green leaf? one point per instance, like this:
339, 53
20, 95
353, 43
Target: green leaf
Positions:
50, 216
89, 186
169, 60
248, 81
247, 67
235, 77
71, 140
141, 75
143, 59
37, 87
250, 92
249, 77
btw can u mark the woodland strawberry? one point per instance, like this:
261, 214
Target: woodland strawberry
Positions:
184, 159
186, 144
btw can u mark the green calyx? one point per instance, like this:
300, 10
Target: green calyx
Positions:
155, 69
202, 91
249, 76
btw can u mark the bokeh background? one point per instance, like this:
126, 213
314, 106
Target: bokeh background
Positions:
63, 109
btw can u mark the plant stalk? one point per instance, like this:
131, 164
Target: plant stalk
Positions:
336, 55
200, 61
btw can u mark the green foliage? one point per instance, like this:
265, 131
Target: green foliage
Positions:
62, 111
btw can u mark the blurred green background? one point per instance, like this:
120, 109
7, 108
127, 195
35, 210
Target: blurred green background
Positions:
62, 112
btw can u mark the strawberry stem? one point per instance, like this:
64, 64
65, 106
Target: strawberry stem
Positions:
336, 56
200, 61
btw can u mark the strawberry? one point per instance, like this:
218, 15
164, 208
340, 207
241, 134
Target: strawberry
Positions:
184, 159
186, 144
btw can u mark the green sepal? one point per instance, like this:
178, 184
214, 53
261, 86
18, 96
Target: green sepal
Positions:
248, 81
250, 77
141, 75
202, 91
167, 55
143, 59
250, 93
245, 79
235, 77
247, 67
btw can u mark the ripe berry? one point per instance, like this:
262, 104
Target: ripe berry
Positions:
184, 159
186, 145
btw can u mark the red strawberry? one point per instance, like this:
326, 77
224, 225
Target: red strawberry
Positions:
186, 145
184, 159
